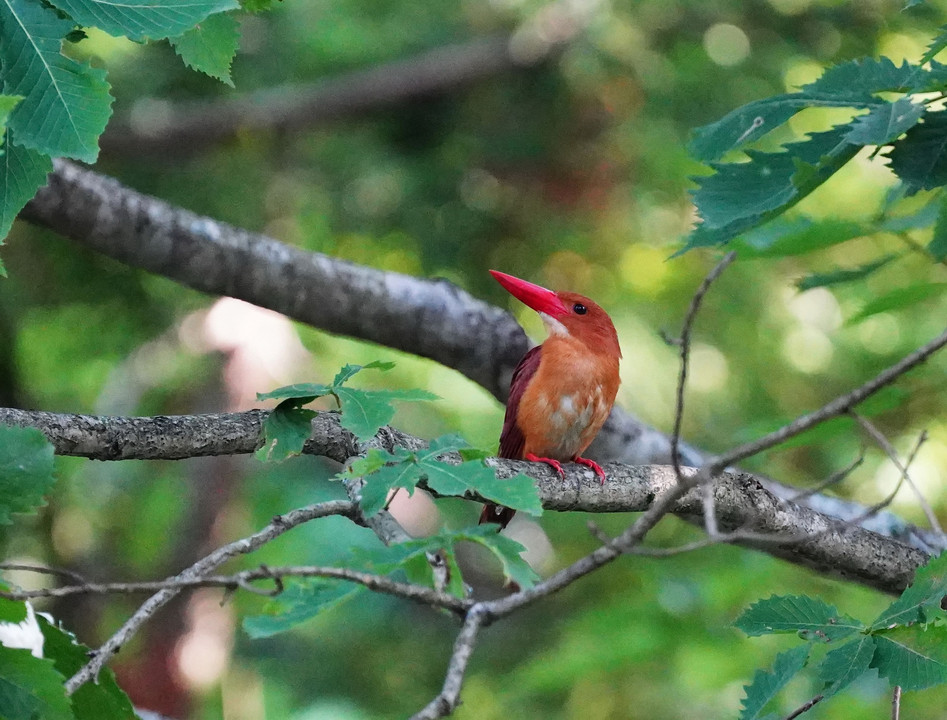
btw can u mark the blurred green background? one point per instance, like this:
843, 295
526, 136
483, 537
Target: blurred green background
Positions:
572, 173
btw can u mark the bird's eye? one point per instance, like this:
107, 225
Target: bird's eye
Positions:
580, 309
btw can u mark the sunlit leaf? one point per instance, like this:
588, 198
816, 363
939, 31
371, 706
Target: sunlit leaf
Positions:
785, 238
140, 19
210, 46
26, 470
885, 123
844, 275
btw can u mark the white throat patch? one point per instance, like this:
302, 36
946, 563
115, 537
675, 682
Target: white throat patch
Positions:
552, 325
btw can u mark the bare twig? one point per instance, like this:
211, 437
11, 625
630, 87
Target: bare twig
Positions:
892, 454
805, 707
896, 703
378, 583
202, 567
45, 570
831, 480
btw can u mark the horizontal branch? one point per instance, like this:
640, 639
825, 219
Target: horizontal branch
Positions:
430, 318
836, 548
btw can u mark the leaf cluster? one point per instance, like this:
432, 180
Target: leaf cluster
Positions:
52, 105
906, 643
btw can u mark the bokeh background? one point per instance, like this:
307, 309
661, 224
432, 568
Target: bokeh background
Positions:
571, 171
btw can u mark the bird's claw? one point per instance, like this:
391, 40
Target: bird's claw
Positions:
596, 468
549, 461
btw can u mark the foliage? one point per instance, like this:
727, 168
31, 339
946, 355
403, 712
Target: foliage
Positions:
906, 643
32, 686
26, 470
54, 106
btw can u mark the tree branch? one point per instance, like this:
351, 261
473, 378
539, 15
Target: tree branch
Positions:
742, 502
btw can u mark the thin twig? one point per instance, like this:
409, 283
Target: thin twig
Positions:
279, 525
833, 479
242, 579
896, 703
892, 454
684, 345
804, 708
45, 570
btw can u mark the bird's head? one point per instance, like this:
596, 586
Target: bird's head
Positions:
566, 313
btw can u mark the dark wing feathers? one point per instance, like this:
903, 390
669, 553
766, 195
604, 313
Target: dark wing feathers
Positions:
511, 438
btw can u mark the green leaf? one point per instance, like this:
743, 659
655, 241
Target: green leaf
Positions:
298, 603
347, 372
912, 656
938, 244
885, 123
766, 685
921, 597
101, 700
285, 432
210, 46
810, 618
845, 664
937, 44
65, 104
920, 157
798, 236
141, 19
851, 84
26, 470
509, 552
404, 469
365, 411
31, 688
843, 275
898, 300
741, 196
301, 392
22, 173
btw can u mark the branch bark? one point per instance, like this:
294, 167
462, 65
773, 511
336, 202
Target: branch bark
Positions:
430, 318
772, 524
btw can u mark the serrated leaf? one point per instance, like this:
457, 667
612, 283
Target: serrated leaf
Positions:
936, 45
297, 604
348, 371
141, 19
770, 182
210, 46
302, 392
925, 216
843, 275
885, 123
65, 104
919, 159
26, 470
101, 700
766, 684
898, 300
365, 411
912, 656
810, 618
285, 431
22, 173
858, 79
404, 470
31, 688
845, 664
922, 596
508, 551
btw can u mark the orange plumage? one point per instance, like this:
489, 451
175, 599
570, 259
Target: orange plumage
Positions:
562, 391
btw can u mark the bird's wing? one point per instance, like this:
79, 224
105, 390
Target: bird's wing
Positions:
511, 438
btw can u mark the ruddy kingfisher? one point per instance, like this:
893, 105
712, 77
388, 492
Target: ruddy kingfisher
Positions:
563, 390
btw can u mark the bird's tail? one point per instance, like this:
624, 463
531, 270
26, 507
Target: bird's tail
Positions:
496, 514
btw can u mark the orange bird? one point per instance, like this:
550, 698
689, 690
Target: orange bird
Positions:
562, 391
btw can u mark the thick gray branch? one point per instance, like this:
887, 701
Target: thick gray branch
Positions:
813, 540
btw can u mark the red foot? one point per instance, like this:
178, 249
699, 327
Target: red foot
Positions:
592, 464
549, 461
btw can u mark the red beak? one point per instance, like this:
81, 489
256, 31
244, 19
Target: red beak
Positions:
534, 296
